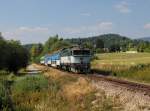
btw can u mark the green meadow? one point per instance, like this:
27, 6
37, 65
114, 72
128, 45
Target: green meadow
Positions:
133, 66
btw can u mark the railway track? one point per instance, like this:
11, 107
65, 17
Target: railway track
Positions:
133, 86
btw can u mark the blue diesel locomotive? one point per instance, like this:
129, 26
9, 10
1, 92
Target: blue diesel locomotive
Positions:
74, 59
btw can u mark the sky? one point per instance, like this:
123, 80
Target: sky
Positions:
36, 20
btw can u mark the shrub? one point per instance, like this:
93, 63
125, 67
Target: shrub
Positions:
28, 91
30, 83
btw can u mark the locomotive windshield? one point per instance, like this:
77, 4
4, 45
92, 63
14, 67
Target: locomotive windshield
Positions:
81, 52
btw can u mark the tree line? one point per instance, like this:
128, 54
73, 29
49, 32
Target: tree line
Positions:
112, 43
97, 44
13, 56
54, 43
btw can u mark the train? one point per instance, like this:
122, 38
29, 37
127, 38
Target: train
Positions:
74, 59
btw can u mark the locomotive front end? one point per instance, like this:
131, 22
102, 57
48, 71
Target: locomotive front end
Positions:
80, 60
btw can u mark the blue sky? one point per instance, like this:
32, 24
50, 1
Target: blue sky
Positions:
35, 20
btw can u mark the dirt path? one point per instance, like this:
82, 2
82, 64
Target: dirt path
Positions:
33, 69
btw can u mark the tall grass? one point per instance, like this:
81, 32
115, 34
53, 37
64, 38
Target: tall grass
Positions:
30, 83
55, 100
139, 73
4, 98
27, 91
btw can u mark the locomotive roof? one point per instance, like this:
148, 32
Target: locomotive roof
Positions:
71, 48
76, 48
79, 48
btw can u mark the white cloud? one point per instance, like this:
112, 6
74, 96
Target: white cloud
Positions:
97, 28
32, 29
27, 34
86, 14
41, 34
123, 7
147, 26
23, 29
104, 26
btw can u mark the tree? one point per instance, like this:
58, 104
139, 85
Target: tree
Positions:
143, 47
36, 50
3, 52
49, 43
99, 44
13, 55
54, 44
88, 45
114, 48
17, 57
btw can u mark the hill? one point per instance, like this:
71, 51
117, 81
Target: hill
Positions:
145, 39
108, 39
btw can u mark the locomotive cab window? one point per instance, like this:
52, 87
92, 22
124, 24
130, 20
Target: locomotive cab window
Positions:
81, 52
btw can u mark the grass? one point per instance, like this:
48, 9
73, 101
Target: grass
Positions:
27, 91
3, 95
120, 61
5, 104
124, 65
57, 91
21, 93
139, 73
70, 93
23, 84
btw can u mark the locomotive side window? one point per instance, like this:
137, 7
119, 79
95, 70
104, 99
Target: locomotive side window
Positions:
65, 53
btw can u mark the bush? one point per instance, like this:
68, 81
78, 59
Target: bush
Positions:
99, 50
30, 83
28, 91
